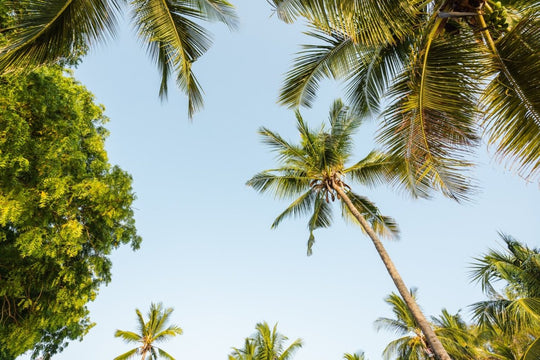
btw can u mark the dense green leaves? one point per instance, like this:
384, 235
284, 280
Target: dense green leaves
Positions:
63, 209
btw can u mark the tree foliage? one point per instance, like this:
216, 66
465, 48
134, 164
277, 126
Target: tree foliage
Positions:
63, 209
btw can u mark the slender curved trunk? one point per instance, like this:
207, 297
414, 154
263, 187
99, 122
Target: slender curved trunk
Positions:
431, 338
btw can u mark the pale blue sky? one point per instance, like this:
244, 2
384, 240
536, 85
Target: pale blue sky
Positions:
208, 250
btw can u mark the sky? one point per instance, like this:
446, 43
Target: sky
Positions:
208, 250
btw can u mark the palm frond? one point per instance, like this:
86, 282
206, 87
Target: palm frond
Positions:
512, 99
533, 351
283, 183
288, 153
291, 350
127, 355
383, 225
321, 218
315, 63
368, 78
49, 31
162, 353
356, 356
367, 22
174, 42
128, 336
374, 169
301, 206
431, 122
218, 10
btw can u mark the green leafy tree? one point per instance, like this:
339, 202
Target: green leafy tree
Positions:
438, 70
266, 344
45, 32
315, 173
151, 331
63, 209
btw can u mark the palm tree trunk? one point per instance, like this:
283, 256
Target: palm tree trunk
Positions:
431, 338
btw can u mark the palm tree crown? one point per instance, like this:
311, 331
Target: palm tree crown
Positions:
445, 68
309, 172
44, 32
266, 344
511, 316
151, 331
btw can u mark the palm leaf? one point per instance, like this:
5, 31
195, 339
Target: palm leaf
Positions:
162, 353
127, 355
128, 336
430, 123
369, 76
174, 42
291, 350
283, 183
49, 31
299, 207
321, 218
313, 64
383, 225
367, 22
533, 351
512, 99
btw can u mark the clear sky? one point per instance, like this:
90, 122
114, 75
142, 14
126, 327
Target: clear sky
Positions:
208, 250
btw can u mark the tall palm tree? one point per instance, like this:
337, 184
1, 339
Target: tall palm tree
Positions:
151, 331
266, 344
441, 68
315, 173
45, 32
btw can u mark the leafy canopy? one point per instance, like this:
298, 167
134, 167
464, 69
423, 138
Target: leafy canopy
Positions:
63, 209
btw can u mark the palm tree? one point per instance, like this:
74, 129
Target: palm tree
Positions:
356, 356
315, 173
45, 32
511, 317
444, 68
457, 337
266, 344
152, 331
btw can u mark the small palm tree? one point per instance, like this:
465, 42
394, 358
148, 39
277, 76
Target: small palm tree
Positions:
266, 344
315, 173
152, 331
45, 32
356, 356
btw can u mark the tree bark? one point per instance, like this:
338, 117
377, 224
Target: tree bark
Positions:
431, 338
